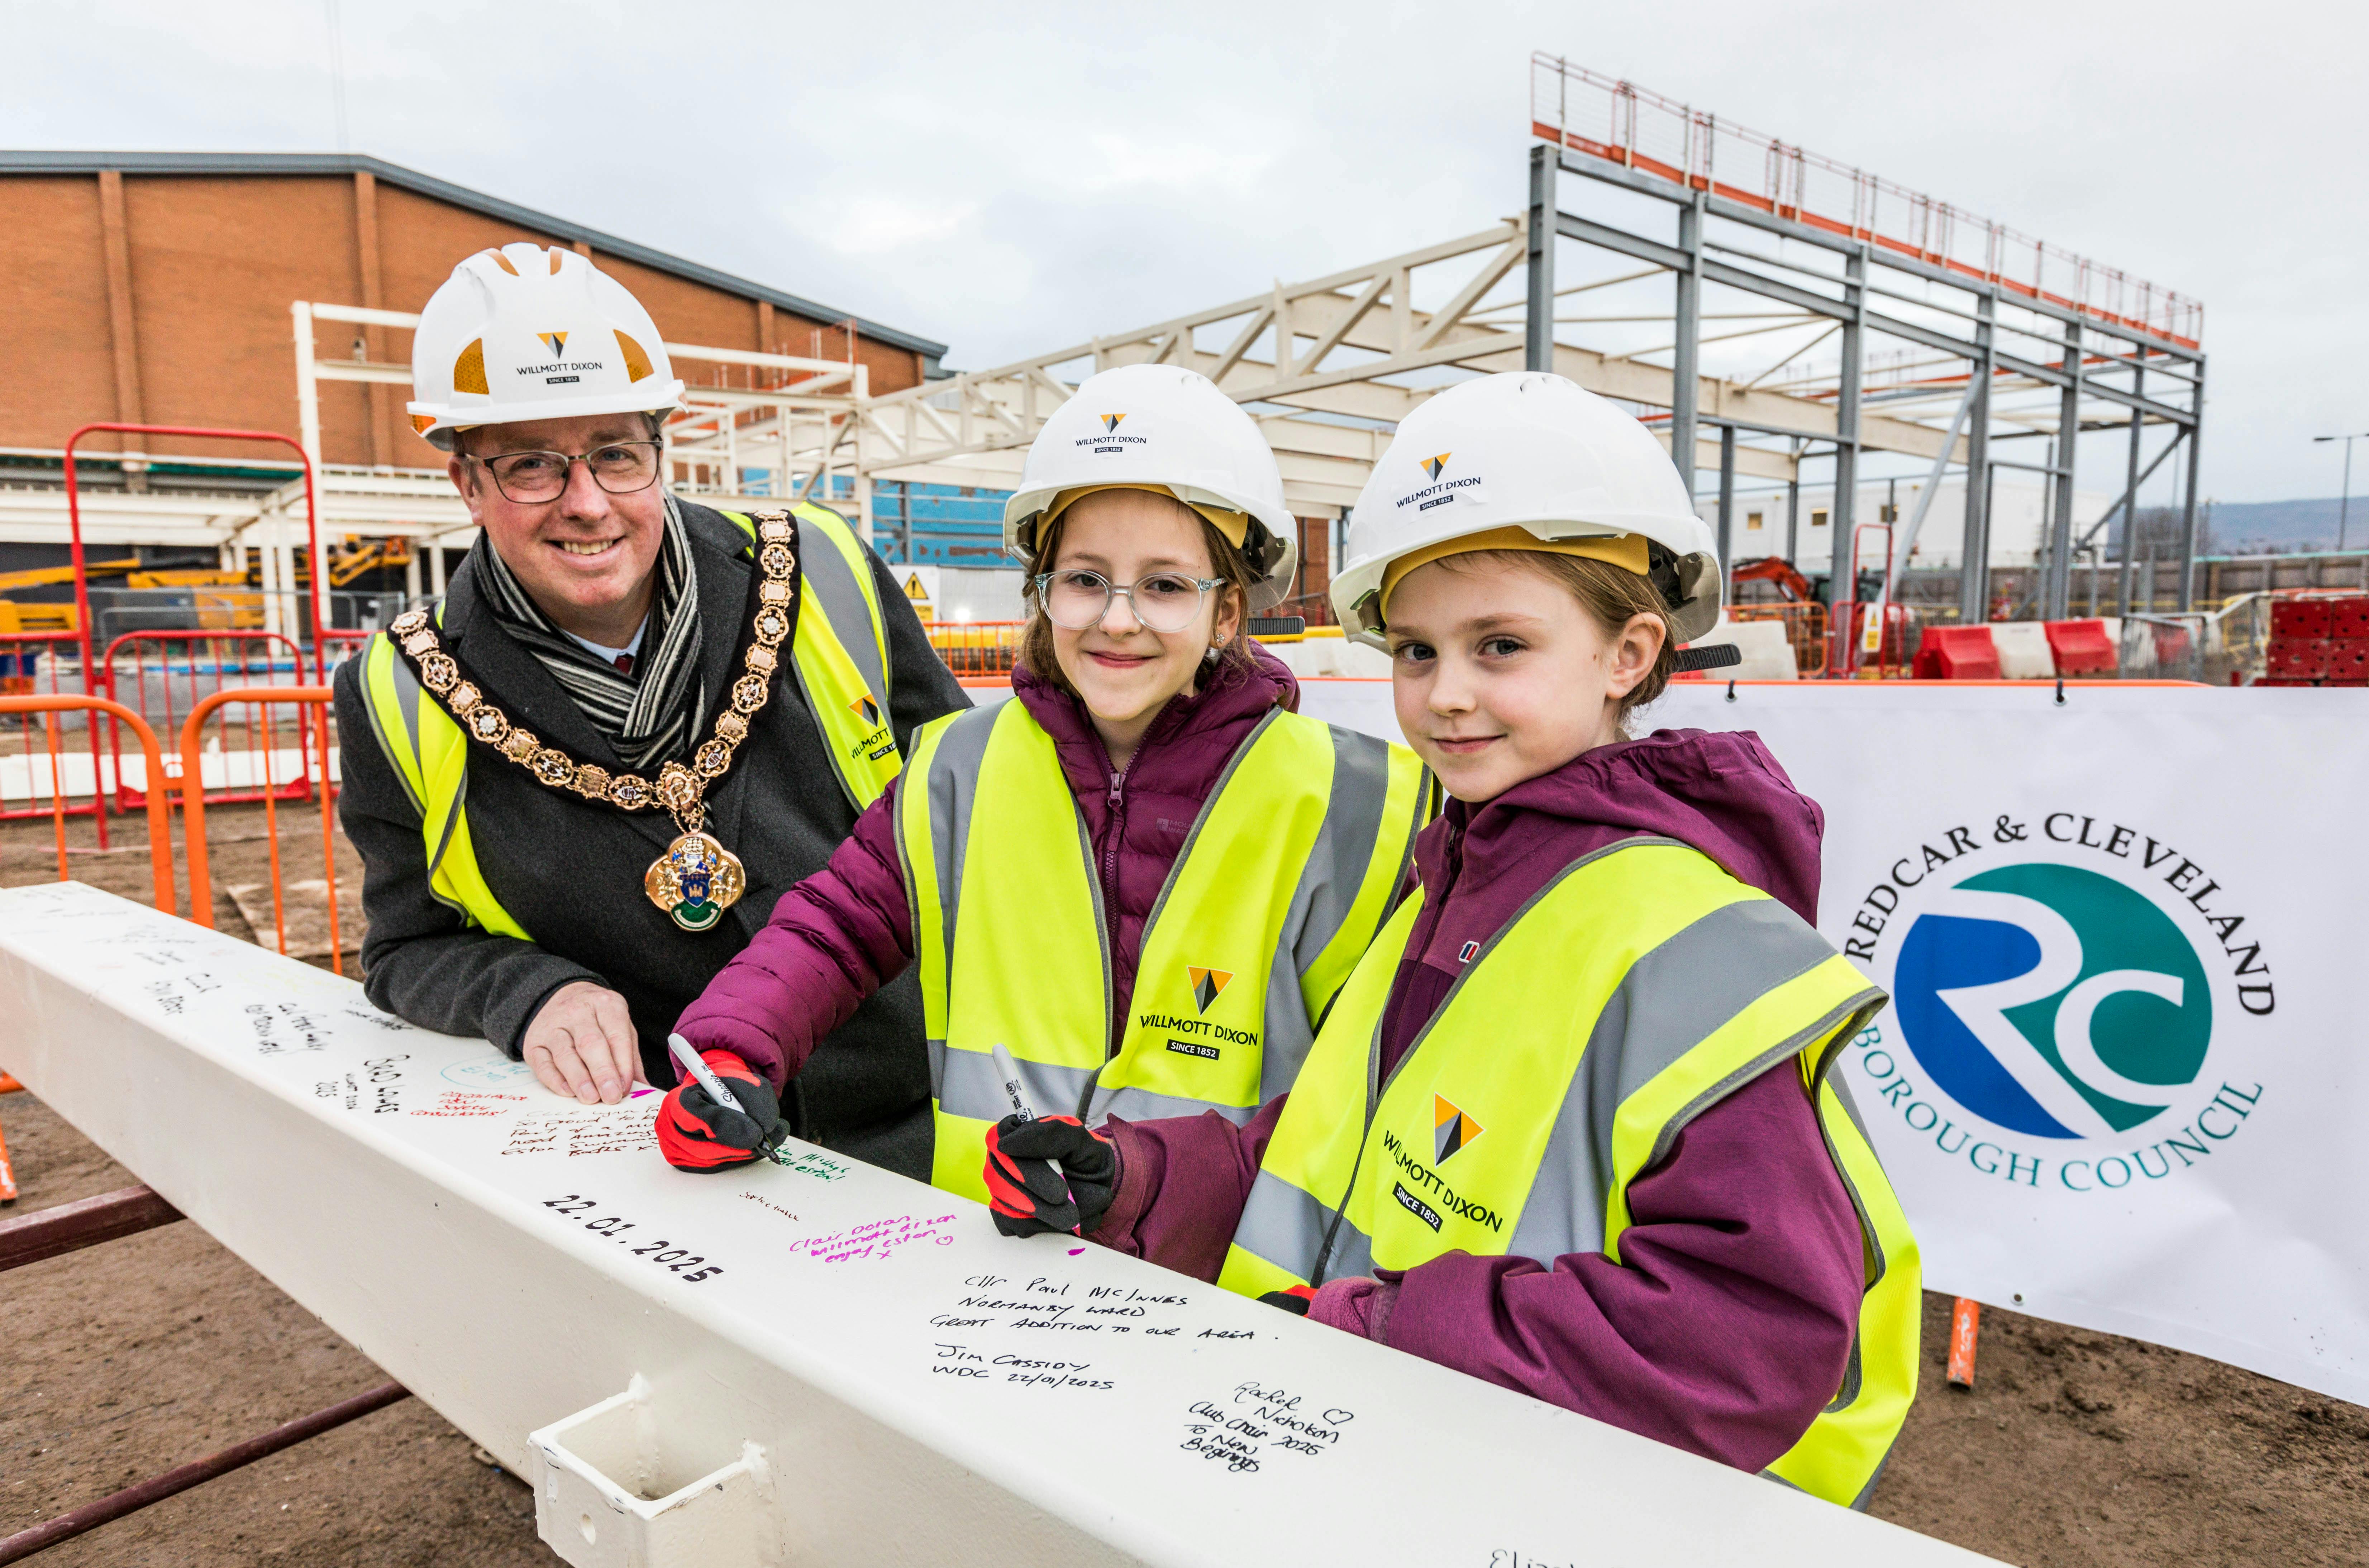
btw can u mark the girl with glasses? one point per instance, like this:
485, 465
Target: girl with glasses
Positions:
1131, 890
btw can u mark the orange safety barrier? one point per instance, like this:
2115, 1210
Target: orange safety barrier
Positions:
168, 670
160, 815
1805, 629
194, 809
7, 1171
976, 648
23, 658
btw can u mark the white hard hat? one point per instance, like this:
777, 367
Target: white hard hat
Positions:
525, 333
1167, 428
1531, 451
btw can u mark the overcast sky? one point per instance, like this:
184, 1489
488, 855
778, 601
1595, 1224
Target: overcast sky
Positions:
1012, 180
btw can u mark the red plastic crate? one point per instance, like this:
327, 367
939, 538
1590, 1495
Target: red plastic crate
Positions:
2348, 619
2348, 659
2297, 659
2082, 647
2283, 680
2299, 618
1957, 653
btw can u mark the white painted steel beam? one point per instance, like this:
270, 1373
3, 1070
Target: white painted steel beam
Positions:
917, 1388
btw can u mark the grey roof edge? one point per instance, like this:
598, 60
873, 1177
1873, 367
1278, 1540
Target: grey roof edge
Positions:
19, 162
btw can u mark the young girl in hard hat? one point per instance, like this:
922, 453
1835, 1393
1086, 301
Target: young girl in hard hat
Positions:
1570, 1126
1134, 888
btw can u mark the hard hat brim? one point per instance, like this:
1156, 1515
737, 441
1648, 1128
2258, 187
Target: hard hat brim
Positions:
664, 398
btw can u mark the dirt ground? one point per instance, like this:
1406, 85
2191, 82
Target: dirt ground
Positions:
124, 1360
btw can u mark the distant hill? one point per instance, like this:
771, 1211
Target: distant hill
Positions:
2243, 527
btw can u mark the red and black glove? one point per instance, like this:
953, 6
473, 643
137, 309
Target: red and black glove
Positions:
697, 1134
1296, 1300
1048, 1173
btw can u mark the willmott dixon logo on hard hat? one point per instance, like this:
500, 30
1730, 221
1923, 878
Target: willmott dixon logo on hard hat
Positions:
1110, 441
2077, 1002
1451, 1130
1437, 491
554, 342
1206, 985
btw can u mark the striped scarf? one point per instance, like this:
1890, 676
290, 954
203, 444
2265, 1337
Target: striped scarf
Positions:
650, 716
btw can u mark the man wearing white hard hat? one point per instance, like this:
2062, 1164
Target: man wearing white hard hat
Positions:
630, 725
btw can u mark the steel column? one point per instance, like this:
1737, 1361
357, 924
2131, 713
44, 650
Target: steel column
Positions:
1685, 374
1843, 584
2188, 517
1538, 329
2056, 597
2130, 501
1727, 505
1794, 510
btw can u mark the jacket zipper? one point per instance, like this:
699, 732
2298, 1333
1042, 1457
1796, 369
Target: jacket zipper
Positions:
1113, 829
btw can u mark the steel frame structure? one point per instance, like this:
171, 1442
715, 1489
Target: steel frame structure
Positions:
2040, 358
1328, 365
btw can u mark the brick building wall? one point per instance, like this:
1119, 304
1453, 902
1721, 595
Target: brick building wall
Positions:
154, 289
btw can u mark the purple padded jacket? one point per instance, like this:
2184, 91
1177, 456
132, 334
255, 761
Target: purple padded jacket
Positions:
1725, 1327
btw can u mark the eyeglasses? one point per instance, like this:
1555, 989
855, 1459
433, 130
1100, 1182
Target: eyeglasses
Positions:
1165, 602
620, 468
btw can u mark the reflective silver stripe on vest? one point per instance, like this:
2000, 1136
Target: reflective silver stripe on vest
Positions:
1288, 1228
406, 701
828, 576
1858, 1503
1142, 1104
1329, 885
1321, 901
1671, 999
968, 1083
953, 785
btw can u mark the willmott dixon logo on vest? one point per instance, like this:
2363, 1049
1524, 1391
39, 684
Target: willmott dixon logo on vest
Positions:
2079, 1002
1452, 1131
1199, 1036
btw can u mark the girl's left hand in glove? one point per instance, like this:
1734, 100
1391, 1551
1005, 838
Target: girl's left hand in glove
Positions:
1048, 1173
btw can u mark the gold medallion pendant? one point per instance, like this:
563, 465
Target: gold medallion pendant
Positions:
695, 881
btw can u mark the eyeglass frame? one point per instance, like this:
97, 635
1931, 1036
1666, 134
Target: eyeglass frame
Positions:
568, 462
1113, 592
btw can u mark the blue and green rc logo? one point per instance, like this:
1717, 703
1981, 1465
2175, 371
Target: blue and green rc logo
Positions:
2053, 1000
2068, 1022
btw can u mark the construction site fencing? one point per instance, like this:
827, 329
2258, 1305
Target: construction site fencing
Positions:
1805, 629
165, 675
46, 710
31, 784
313, 721
976, 648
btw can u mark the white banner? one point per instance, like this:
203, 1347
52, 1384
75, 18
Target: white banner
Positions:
2123, 1083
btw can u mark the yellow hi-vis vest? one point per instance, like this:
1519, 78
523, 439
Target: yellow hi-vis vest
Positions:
1290, 868
1640, 987
846, 684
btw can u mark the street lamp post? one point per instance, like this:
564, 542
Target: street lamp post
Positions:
2344, 503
